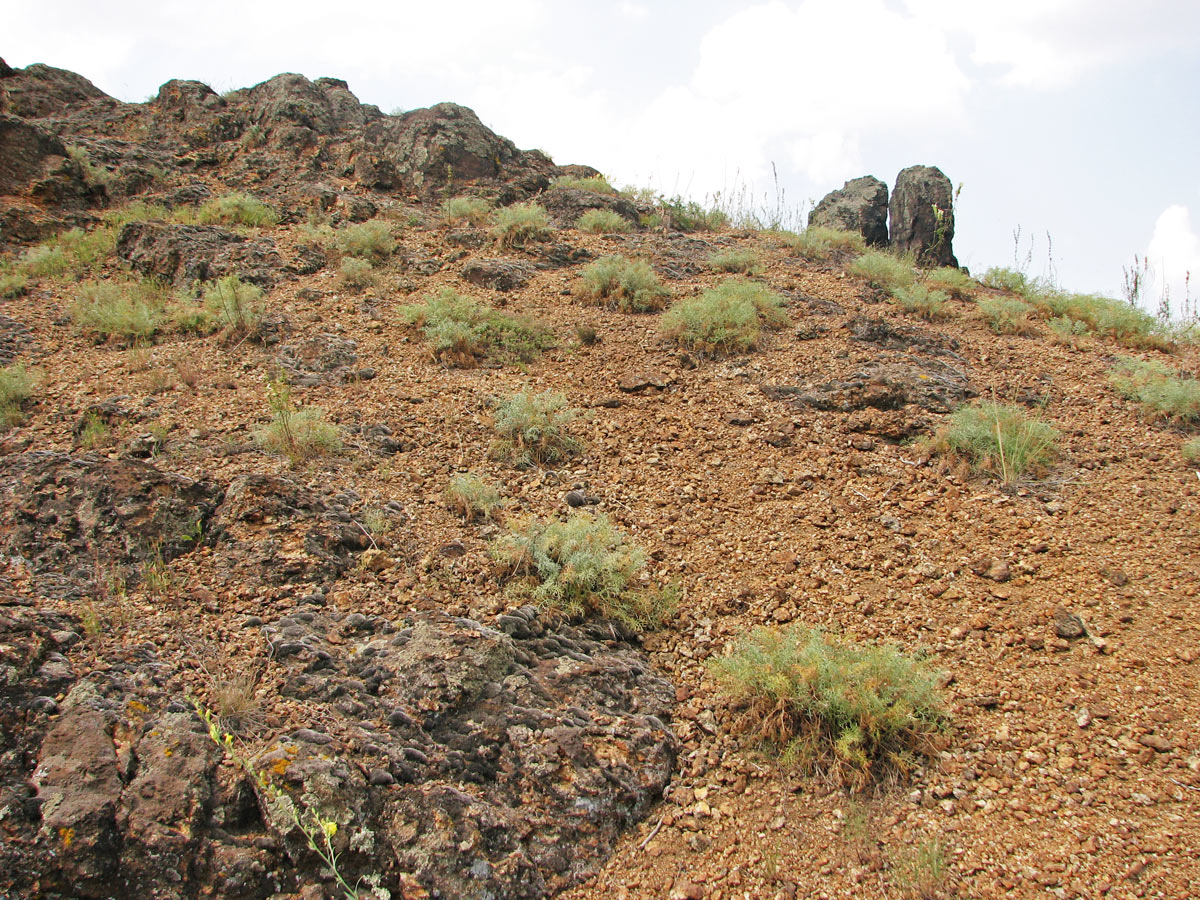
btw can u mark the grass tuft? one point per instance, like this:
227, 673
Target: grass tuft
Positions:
463, 332
126, 311
955, 282
237, 305
16, 387
236, 209
472, 497
1006, 315
597, 184
356, 274
817, 243
472, 210
745, 262
518, 225
919, 300
583, 565
371, 241
532, 429
726, 319
857, 713
883, 271
1161, 393
603, 221
620, 283
298, 434
998, 439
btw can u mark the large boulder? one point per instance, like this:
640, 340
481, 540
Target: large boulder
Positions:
295, 112
922, 215
186, 253
41, 90
443, 144
860, 205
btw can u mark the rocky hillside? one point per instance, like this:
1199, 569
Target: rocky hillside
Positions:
370, 529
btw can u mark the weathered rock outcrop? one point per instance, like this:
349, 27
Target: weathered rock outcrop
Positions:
40, 90
457, 760
185, 253
69, 521
922, 216
566, 205
860, 205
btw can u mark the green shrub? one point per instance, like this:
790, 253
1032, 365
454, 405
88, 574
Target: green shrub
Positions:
602, 221
921, 301
1001, 440
237, 305
462, 332
128, 311
955, 282
298, 434
745, 262
1065, 330
356, 273
1157, 389
817, 243
12, 284
45, 261
624, 284
519, 224
583, 565
1006, 315
235, 209
88, 250
94, 176
1191, 450
474, 210
137, 211
1011, 280
533, 428
16, 387
857, 712
688, 215
371, 241
471, 497
1122, 322
94, 432
726, 319
882, 270
597, 184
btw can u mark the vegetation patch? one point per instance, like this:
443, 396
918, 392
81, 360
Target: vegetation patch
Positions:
356, 274
817, 243
463, 332
16, 387
745, 262
1115, 319
727, 319
1010, 280
472, 210
298, 434
583, 565
472, 497
883, 271
602, 221
1006, 315
1000, 440
955, 282
520, 224
624, 284
1191, 450
13, 284
919, 300
128, 311
534, 429
1161, 392
235, 209
597, 184
688, 215
857, 713
236, 305
371, 241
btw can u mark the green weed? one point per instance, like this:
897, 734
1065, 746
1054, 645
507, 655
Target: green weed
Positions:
855, 712
472, 497
921, 301
127, 311
235, 209
955, 282
16, 387
371, 241
236, 305
520, 224
356, 274
1001, 440
597, 184
745, 262
1160, 392
883, 271
624, 284
463, 332
533, 429
298, 434
818, 243
602, 221
1006, 315
726, 319
473, 210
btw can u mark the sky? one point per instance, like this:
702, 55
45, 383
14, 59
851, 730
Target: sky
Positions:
1072, 126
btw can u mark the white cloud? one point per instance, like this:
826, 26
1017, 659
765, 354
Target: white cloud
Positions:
1054, 43
1174, 257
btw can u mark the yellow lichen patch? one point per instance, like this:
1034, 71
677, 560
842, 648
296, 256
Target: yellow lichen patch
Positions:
67, 835
137, 708
280, 766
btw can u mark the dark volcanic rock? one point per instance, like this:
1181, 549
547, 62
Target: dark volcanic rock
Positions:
40, 90
922, 216
457, 760
312, 536
35, 163
900, 337
66, 518
184, 253
566, 205
498, 274
428, 147
887, 384
860, 205
321, 359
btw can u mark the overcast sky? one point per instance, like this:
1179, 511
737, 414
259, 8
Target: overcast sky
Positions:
1077, 119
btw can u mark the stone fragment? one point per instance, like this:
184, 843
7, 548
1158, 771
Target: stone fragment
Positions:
860, 205
921, 214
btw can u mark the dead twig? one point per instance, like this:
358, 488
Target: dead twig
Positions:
650, 836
